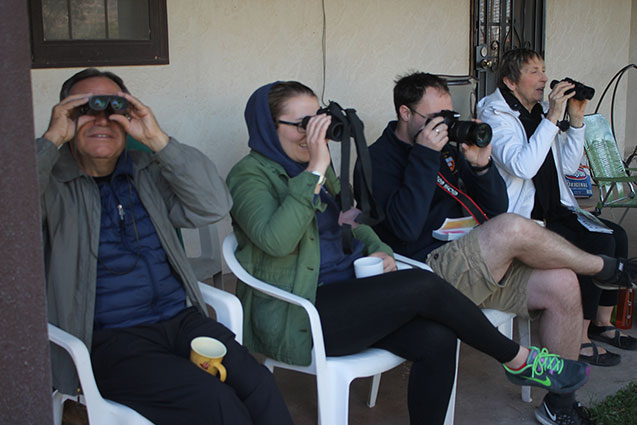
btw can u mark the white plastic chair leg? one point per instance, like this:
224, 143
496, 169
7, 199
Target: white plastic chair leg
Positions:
373, 391
333, 399
451, 408
524, 329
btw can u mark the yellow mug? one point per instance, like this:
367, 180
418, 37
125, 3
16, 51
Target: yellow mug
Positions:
207, 353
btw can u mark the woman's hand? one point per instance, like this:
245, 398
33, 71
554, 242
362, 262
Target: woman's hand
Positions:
576, 110
389, 265
557, 98
317, 143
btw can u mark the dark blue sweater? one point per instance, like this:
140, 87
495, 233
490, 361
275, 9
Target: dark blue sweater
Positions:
404, 185
135, 283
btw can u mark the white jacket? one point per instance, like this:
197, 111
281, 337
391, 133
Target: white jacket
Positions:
518, 161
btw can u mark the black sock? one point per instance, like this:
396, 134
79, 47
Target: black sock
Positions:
609, 270
560, 401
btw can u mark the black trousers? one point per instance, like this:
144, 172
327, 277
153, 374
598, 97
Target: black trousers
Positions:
148, 369
612, 245
416, 315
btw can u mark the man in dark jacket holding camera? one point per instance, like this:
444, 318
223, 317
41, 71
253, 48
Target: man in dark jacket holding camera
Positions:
508, 263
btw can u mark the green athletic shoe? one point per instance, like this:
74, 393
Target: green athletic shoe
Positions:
550, 371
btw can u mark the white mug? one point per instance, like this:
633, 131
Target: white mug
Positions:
368, 266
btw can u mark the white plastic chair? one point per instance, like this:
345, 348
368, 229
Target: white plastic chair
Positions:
106, 412
206, 263
333, 374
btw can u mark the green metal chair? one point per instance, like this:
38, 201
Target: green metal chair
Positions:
616, 185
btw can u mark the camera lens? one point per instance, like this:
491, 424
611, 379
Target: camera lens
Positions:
470, 133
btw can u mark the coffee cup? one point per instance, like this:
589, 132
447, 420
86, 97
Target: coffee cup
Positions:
207, 353
368, 266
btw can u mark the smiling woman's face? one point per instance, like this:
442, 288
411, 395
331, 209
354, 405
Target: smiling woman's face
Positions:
293, 138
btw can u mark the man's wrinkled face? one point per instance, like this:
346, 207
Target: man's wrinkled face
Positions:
98, 137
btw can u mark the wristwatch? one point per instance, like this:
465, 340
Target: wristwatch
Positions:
484, 167
321, 177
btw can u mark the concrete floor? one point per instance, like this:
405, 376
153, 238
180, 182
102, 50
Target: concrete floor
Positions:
484, 396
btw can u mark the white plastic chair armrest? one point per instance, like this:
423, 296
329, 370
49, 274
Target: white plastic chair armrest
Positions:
229, 246
81, 358
411, 262
227, 306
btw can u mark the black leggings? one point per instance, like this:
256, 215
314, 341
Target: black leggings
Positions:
612, 245
416, 315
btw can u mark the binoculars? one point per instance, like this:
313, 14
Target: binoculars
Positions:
110, 103
582, 92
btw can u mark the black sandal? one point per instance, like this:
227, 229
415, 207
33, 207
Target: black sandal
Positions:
605, 360
625, 342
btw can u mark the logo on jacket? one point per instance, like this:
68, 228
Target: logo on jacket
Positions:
450, 161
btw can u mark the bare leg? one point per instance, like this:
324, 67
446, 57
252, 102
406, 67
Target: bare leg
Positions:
556, 292
510, 236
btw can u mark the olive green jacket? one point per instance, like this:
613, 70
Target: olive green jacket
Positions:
278, 242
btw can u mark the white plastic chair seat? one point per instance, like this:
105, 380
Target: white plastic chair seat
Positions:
106, 412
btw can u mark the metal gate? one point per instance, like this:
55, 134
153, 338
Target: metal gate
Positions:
499, 25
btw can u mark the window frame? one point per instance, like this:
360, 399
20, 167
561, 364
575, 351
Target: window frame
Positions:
86, 53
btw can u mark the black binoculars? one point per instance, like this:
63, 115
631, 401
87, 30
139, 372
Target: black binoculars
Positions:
336, 129
110, 103
582, 92
467, 132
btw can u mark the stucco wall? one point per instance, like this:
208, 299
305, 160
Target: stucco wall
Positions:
222, 50
589, 41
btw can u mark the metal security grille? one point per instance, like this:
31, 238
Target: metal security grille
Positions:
499, 25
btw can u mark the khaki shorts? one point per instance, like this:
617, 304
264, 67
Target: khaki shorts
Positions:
460, 262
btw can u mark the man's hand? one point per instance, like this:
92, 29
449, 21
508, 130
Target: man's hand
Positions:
476, 156
62, 125
434, 134
141, 124
389, 265
557, 98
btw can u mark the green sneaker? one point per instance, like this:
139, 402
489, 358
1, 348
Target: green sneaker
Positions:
550, 371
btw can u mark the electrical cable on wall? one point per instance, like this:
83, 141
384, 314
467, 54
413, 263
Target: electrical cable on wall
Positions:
323, 49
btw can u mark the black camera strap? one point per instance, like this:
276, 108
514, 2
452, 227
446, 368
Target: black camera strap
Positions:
465, 200
370, 213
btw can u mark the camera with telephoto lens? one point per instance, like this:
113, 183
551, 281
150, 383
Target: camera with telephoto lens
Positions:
467, 132
335, 131
110, 103
582, 92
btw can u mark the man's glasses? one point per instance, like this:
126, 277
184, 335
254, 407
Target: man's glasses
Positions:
299, 125
419, 114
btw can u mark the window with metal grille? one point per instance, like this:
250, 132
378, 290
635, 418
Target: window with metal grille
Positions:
69, 33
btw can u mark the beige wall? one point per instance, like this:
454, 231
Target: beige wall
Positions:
589, 41
222, 50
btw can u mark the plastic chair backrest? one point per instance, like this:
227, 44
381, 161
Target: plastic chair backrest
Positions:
463, 94
603, 156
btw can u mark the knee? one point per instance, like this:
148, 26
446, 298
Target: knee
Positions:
513, 227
